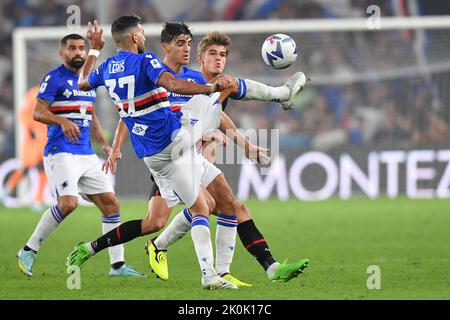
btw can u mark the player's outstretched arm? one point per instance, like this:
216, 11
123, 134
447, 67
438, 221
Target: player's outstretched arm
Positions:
180, 86
252, 151
96, 43
116, 154
97, 132
42, 114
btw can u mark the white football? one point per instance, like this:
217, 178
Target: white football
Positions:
279, 51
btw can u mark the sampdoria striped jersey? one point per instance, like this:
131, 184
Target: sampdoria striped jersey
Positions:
143, 105
60, 89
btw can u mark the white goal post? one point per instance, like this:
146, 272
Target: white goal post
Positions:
22, 35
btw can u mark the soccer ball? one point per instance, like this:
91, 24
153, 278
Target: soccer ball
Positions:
279, 51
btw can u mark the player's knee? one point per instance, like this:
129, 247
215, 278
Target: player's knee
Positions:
200, 206
225, 203
211, 204
67, 205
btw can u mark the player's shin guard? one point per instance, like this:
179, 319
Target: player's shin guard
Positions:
255, 243
177, 228
49, 221
225, 242
122, 234
201, 237
116, 253
253, 90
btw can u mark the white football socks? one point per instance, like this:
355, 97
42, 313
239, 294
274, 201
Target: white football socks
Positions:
50, 219
201, 237
116, 253
177, 228
260, 91
225, 242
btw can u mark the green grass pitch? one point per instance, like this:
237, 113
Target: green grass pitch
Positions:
408, 239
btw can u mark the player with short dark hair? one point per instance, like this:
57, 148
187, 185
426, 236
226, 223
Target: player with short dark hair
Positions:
70, 163
213, 50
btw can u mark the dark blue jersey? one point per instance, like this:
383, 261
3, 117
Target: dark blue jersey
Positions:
60, 89
177, 101
143, 105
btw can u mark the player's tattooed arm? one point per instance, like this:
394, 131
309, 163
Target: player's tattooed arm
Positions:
252, 151
96, 42
41, 113
116, 154
172, 84
97, 132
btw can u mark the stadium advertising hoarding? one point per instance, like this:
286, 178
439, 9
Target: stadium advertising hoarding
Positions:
315, 175
307, 175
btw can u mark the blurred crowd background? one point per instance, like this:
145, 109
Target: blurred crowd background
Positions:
368, 88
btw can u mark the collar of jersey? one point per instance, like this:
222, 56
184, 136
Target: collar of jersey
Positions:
122, 52
69, 71
183, 70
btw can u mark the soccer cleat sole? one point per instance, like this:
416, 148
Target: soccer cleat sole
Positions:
299, 271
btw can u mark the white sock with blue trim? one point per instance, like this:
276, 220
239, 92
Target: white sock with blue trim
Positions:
116, 253
50, 219
177, 228
254, 90
225, 242
201, 237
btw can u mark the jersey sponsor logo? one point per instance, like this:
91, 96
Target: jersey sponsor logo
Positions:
179, 95
139, 129
70, 82
116, 67
78, 93
67, 93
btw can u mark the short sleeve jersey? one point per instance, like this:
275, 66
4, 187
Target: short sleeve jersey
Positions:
60, 90
143, 105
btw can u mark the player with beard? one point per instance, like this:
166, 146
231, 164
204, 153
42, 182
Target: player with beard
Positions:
70, 163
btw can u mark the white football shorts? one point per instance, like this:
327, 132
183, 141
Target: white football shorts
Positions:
208, 173
73, 174
178, 170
